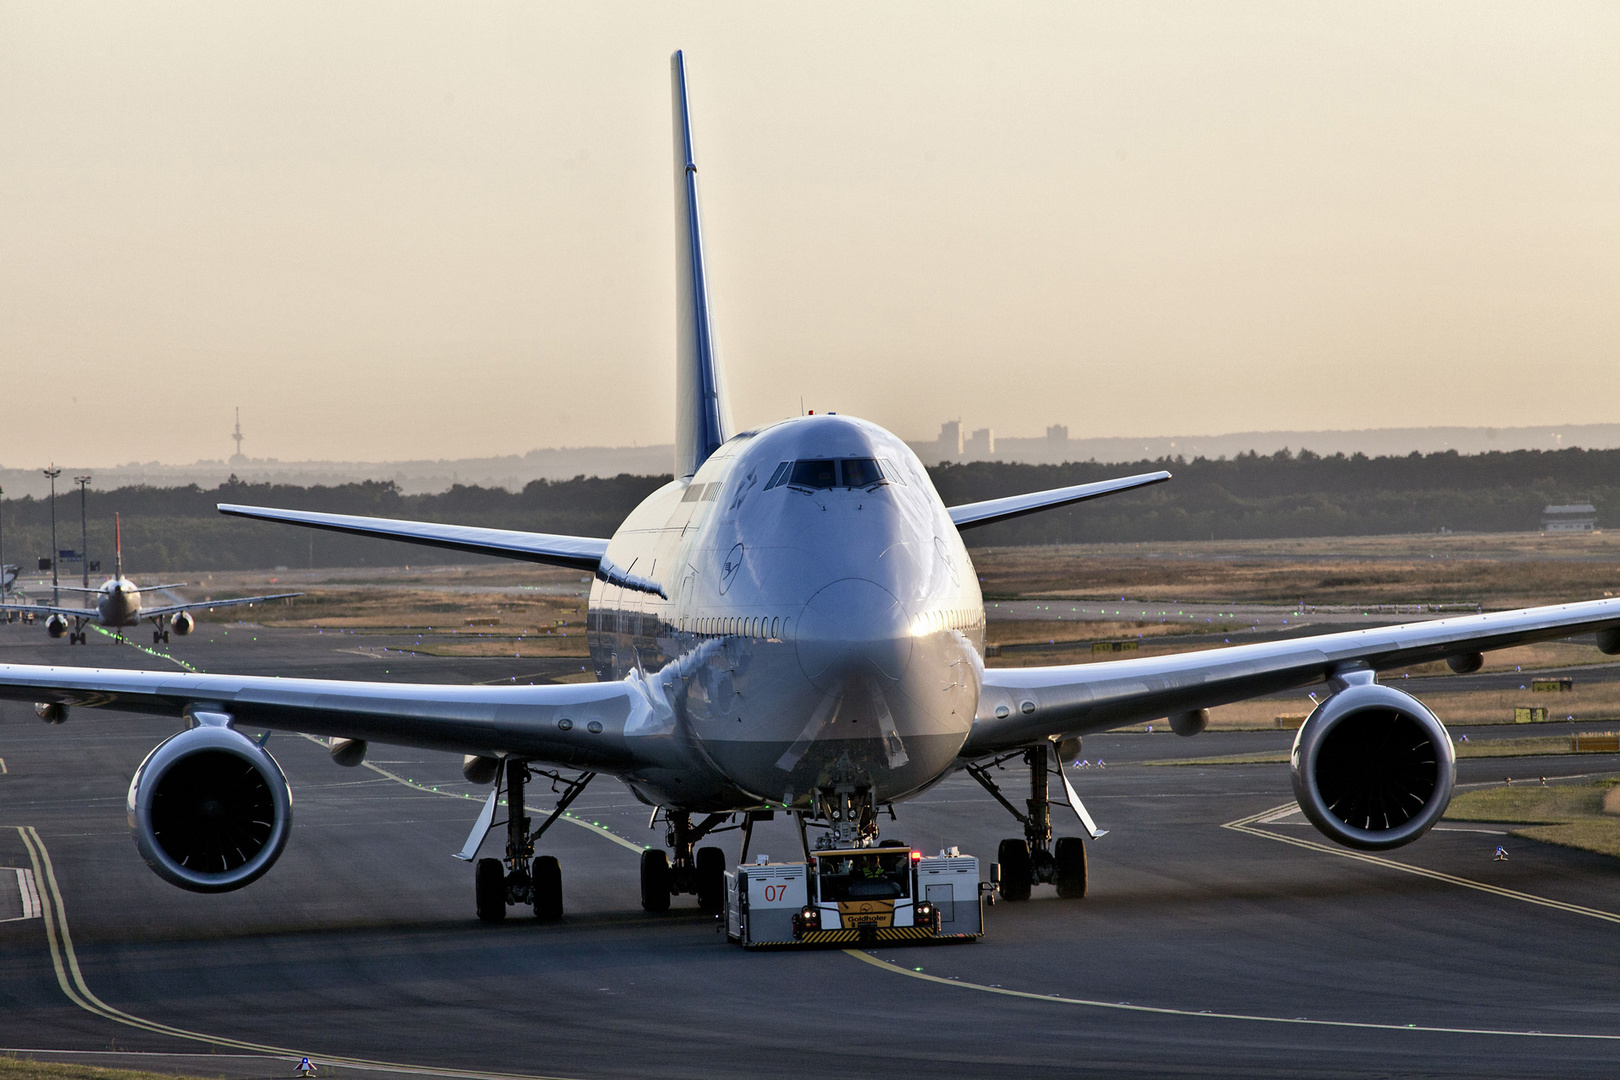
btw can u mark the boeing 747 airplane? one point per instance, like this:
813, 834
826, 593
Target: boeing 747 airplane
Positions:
118, 604
792, 624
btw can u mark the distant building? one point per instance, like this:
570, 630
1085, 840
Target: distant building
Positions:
979, 446
950, 440
1576, 517
1057, 437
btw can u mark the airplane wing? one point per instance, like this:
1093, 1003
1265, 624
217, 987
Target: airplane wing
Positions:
165, 585
487, 720
197, 605
51, 609
577, 552
1021, 706
968, 515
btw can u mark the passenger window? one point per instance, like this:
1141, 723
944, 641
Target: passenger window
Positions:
779, 477
861, 472
774, 624
815, 474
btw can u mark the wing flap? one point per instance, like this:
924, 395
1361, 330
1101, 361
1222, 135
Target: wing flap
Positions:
577, 552
1039, 702
989, 511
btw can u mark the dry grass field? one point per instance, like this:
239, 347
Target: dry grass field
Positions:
505, 608
1581, 816
1500, 571
489, 610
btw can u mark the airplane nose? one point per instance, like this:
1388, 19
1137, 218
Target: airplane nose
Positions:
853, 627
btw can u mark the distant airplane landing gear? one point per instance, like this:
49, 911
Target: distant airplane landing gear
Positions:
1024, 863
522, 878
160, 637
702, 873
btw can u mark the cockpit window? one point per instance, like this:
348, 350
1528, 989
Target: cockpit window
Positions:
823, 473
815, 474
861, 472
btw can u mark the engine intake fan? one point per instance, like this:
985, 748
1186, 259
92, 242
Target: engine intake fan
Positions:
1373, 768
210, 809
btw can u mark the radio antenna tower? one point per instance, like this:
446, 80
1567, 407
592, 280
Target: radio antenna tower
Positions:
237, 435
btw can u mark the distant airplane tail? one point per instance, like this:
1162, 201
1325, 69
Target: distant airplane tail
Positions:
118, 547
702, 421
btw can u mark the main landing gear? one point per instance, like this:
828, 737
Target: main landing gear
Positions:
522, 877
1034, 860
702, 872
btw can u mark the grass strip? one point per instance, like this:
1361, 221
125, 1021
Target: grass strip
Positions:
17, 1068
1570, 815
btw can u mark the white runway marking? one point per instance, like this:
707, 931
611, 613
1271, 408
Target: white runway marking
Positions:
28, 892
1210, 1014
71, 979
1247, 825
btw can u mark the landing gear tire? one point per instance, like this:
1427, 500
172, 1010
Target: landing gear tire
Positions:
1013, 855
1069, 865
548, 906
157, 637
654, 881
489, 882
711, 878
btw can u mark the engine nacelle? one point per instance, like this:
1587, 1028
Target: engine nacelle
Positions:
1373, 768
56, 625
210, 809
183, 623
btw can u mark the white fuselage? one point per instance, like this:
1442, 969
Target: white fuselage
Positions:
118, 603
822, 630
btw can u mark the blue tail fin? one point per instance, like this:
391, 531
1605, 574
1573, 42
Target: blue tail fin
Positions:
702, 421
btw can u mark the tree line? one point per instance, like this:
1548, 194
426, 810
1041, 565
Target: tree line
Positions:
1251, 496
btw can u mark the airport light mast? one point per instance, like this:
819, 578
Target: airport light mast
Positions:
5, 586
56, 592
84, 530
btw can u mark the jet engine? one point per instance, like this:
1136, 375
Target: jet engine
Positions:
56, 625
210, 809
183, 623
1373, 768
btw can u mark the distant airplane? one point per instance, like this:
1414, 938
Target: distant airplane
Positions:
118, 604
791, 625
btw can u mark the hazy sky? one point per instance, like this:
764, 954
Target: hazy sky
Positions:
441, 230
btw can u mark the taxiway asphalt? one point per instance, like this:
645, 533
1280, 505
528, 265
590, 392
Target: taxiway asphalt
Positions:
1213, 942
